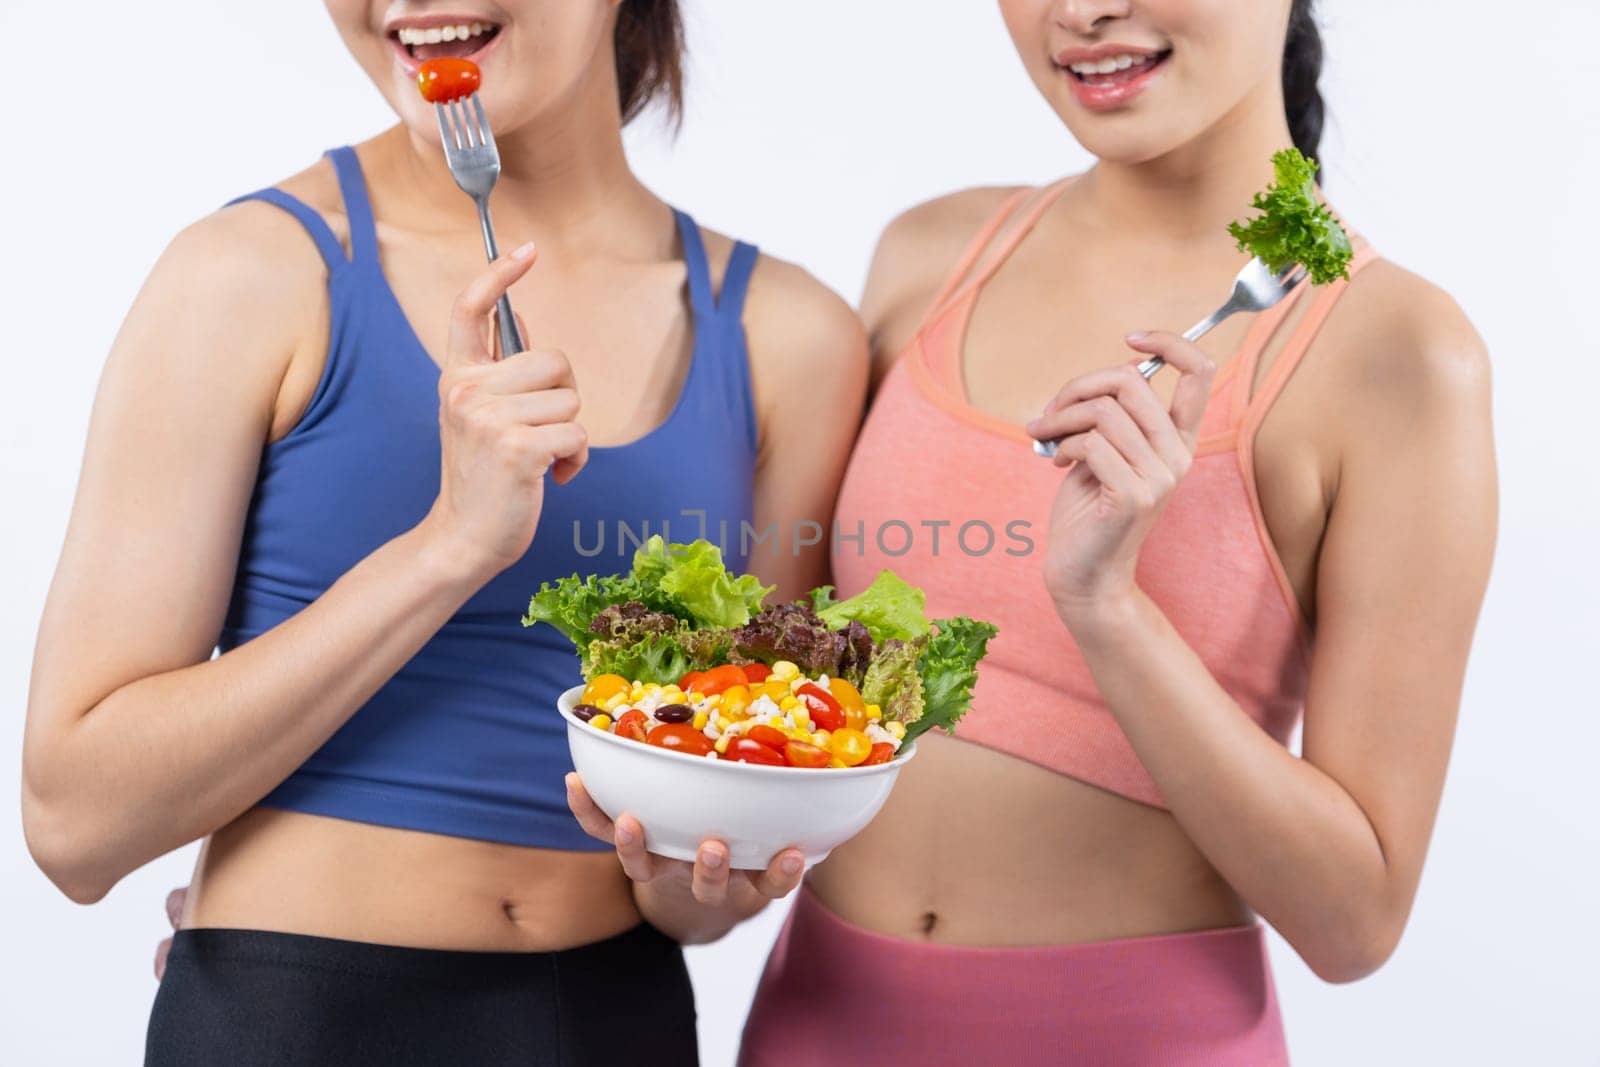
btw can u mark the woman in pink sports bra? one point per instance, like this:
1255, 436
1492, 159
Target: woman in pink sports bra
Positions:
1291, 524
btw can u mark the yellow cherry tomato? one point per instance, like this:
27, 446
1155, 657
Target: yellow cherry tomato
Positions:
849, 698
603, 687
736, 702
849, 746
774, 691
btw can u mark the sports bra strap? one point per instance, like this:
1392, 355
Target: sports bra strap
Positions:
735, 279
1026, 217
357, 208
975, 247
327, 244
1256, 405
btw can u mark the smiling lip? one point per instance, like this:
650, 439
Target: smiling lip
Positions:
411, 64
1107, 90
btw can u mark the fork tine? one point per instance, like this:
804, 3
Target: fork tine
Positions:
486, 135
468, 123
447, 132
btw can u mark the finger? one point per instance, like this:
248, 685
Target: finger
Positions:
1095, 383
542, 408
636, 862
175, 901
530, 371
782, 875
710, 881
470, 314
1196, 370
1134, 393
1107, 415
567, 445
162, 951
1107, 464
594, 822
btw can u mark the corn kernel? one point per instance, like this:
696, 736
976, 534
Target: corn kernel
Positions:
601, 721
897, 728
615, 701
789, 703
820, 739
652, 687
796, 683
700, 720
874, 713
783, 670
801, 717
636, 693
671, 691
713, 700
837, 762
723, 722
722, 743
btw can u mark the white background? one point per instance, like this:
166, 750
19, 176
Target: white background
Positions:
1463, 141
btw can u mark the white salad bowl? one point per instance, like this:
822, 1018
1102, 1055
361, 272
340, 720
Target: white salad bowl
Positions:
757, 811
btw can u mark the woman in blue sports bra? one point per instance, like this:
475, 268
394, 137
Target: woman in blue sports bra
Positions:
305, 456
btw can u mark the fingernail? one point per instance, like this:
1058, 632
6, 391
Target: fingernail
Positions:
624, 835
1137, 336
711, 858
1030, 424
792, 864
523, 251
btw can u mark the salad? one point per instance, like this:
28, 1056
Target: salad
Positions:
681, 654
1294, 226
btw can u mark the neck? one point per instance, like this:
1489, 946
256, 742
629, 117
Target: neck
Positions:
1190, 194
564, 177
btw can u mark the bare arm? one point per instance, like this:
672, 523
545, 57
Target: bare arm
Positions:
1328, 848
137, 741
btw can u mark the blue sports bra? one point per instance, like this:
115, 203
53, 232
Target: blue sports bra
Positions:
465, 740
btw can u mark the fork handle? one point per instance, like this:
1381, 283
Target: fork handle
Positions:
1147, 368
511, 341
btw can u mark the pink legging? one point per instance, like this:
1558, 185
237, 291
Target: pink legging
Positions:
835, 994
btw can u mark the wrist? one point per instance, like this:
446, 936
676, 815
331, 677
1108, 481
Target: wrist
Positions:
671, 907
448, 560
1103, 615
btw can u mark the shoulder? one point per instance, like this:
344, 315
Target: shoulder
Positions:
918, 246
1407, 346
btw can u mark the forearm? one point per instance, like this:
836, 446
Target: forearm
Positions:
168, 758
1294, 844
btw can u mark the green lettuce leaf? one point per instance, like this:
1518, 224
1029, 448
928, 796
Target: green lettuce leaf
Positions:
1294, 226
949, 669
571, 604
822, 598
889, 608
651, 658
693, 580
893, 683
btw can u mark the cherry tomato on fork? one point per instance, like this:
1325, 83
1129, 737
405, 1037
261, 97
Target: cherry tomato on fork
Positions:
631, 725
749, 750
680, 737
825, 711
448, 78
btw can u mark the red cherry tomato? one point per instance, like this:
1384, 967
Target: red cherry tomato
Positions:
631, 725
749, 750
882, 752
824, 710
680, 737
805, 754
686, 683
447, 79
772, 738
719, 678
756, 673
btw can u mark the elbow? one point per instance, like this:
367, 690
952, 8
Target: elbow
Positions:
65, 851
1352, 952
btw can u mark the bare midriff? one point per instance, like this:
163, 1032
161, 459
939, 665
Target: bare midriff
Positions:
976, 847
297, 873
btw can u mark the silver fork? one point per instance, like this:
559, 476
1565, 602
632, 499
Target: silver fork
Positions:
1255, 288
475, 165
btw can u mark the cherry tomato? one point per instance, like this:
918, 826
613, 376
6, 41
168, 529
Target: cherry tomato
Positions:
631, 725
824, 710
735, 702
756, 673
805, 754
749, 750
603, 687
849, 746
882, 752
849, 698
686, 683
769, 736
680, 737
448, 78
718, 678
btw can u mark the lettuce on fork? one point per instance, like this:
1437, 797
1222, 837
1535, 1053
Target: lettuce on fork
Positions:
1294, 226
679, 610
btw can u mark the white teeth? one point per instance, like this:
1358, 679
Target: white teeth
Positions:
1108, 65
1124, 62
437, 35
449, 33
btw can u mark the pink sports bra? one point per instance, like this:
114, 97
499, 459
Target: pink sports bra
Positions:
929, 463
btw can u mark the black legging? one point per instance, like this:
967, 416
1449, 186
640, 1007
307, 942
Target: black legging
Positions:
238, 998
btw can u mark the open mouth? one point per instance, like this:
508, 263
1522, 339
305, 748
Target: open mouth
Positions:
1116, 70
462, 40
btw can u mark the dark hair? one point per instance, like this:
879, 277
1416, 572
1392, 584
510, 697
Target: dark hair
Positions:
649, 52
1302, 66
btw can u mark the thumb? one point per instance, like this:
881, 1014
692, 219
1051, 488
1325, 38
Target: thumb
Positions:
469, 316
